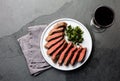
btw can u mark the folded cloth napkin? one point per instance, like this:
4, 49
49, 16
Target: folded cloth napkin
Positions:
31, 50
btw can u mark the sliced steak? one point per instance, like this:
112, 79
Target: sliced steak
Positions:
55, 47
53, 42
56, 31
57, 53
60, 24
64, 53
70, 54
75, 56
82, 55
54, 36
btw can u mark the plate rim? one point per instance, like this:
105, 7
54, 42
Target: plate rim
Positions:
64, 19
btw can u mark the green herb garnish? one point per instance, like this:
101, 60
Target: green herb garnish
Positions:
74, 34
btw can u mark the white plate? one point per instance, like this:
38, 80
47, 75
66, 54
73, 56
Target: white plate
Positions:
86, 43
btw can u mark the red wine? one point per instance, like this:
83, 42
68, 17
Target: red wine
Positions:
104, 16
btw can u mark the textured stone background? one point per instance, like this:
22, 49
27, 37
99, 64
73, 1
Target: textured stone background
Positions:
103, 64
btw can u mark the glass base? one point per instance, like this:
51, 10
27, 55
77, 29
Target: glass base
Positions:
96, 28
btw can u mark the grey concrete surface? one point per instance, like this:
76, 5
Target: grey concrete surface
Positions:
16, 13
103, 64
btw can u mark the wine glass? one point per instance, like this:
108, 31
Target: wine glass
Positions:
102, 19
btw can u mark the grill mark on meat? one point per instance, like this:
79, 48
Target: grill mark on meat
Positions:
56, 31
57, 53
55, 47
64, 53
82, 55
48, 45
69, 56
54, 36
73, 60
60, 24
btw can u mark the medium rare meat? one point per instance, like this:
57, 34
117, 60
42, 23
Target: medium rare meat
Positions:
82, 55
55, 47
70, 54
53, 42
54, 36
60, 24
57, 53
75, 55
63, 55
61, 51
56, 31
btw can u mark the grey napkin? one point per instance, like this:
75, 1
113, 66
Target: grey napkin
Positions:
31, 50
